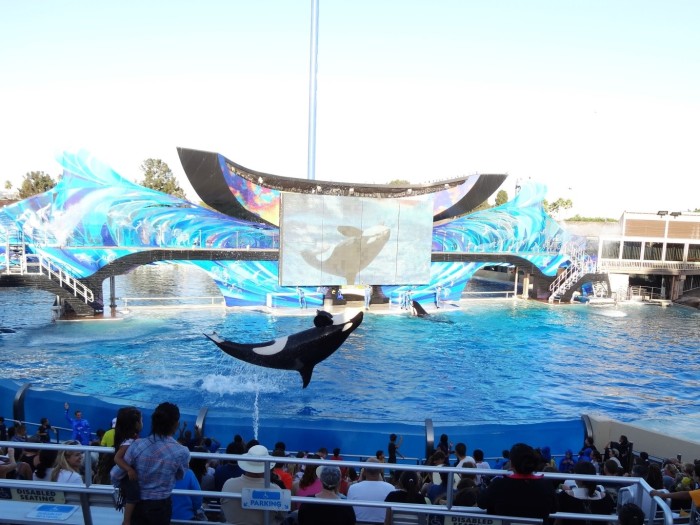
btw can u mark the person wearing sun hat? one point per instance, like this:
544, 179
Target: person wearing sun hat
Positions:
319, 514
253, 477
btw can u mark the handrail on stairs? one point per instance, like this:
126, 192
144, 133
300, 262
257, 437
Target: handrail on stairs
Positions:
78, 288
581, 263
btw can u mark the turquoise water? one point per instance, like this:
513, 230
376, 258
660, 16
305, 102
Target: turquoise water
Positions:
489, 361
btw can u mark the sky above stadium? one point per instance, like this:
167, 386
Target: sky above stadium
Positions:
598, 100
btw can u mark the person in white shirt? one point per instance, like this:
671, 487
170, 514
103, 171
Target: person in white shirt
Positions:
67, 466
372, 487
462, 458
480, 463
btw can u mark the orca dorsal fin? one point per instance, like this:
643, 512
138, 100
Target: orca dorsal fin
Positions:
306, 372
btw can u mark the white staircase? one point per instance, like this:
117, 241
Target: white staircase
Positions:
52, 271
581, 264
17, 261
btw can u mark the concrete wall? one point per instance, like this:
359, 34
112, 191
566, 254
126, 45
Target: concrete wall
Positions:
654, 443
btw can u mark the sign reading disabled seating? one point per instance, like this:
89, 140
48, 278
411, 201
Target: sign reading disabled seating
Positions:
467, 520
38, 495
53, 512
266, 499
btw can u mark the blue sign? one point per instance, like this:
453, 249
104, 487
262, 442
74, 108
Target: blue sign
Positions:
266, 499
53, 512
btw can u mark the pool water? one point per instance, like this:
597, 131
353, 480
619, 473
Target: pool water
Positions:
486, 362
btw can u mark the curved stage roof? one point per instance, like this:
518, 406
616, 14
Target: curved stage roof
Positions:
253, 195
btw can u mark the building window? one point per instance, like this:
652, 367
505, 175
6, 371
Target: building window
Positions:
694, 253
632, 250
611, 250
674, 252
652, 251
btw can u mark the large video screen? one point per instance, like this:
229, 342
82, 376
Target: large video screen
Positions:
328, 240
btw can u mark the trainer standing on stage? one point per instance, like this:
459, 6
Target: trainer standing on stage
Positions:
80, 426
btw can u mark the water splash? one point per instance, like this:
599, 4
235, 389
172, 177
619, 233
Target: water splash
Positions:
256, 414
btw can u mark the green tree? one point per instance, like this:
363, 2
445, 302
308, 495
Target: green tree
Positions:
158, 176
557, 206
399, 182
501, 197
8, 185
35, 182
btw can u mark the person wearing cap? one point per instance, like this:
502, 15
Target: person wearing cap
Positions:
253, 477
321, 514
371, 488
108, 437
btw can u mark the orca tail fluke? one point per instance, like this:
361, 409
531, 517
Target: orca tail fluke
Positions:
306, 372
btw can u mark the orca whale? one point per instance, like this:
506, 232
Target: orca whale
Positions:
367, 243
301, 351
418, 310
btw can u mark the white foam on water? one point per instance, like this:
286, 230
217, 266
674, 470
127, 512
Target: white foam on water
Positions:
610, 313
171, 382
238, 384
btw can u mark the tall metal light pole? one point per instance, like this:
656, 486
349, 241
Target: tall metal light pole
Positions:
313, 67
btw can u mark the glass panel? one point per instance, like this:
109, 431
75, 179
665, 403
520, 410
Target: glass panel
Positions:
611, 250
694, 253
632, 250
652, 251
674, 252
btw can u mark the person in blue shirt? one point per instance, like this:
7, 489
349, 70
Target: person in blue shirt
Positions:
186, 507
80, 426
567, 463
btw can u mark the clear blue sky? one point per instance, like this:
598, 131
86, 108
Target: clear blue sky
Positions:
600, 100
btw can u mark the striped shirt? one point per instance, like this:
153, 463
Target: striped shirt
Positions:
158, 461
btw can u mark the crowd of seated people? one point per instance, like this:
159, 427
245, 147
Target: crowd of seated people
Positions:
522, 493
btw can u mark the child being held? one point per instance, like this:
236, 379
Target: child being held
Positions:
124, 477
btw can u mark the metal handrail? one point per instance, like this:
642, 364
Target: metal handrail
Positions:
270, 461
655, 265
581, 263
79, 289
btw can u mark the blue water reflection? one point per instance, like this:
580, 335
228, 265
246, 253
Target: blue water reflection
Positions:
491, 361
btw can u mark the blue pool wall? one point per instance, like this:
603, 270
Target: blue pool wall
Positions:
361, 438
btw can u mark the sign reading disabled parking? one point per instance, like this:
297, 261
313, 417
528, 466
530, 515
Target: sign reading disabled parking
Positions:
266, 499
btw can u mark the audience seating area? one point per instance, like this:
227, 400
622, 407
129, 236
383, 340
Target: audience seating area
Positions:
94, 504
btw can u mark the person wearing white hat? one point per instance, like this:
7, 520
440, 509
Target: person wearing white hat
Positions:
253, 477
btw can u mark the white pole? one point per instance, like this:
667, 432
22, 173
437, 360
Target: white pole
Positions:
313, 68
